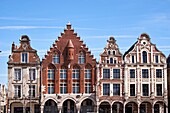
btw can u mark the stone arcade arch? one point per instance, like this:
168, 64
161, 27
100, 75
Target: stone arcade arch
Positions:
145, 107
131, 107
69, 106
105, 107
159, 107
87, 106
50, 106
16, 107
117, 107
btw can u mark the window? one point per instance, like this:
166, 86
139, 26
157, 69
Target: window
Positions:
158, 73
116, 73
81, 58
132, 89
17, 89
143, 108
113, 52
88, 87
156, 59
17, 74
56, 59
63, 88
145, 73
108, 52
63, 74
159, 89
76, 88
51, 88
133, 59
51, 74
31, 90
111, 60
144, 56
87, 73
132, 73
106, 89
116, 89
145, 90
106, 73
75, 74
31, 74
24, 57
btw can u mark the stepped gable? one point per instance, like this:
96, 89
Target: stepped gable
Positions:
24, 47
68, 39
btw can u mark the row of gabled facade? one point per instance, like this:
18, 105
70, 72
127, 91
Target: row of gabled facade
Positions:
70, 80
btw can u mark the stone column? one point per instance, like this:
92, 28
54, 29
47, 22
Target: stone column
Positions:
41, 108
59, 109
153, 109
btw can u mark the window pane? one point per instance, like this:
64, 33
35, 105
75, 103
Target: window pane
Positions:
116, 89
144, 54
158, 73
56, 59
132, 73
88, 87
24, 57
32, 74
17, 74
63, 74
106, 89
88, 73
156, 59
81, 58
159, 89
145, 73
51, 74
116, 73
75, 74
145, 90
132, 89
106, 73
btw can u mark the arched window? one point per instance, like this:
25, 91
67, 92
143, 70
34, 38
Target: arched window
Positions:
108, 52
81, 58
144, 56
56, 59
111, 60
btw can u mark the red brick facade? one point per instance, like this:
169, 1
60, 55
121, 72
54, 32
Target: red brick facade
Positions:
68, 47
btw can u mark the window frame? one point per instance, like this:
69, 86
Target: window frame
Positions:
24, 57
63, 74
106, 89
117, 88
51, 74
106, 73
32, 75
145, 73
81, 58
116, 73
17, 75
56, 59
51, 89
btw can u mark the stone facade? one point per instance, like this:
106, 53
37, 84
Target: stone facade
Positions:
23, 78
68, 76
72, 81
145, 78
110, 79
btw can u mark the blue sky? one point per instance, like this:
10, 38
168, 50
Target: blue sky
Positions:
93, 20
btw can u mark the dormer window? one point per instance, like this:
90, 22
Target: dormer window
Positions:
24, 57
144, 56
56, 59
81, 58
